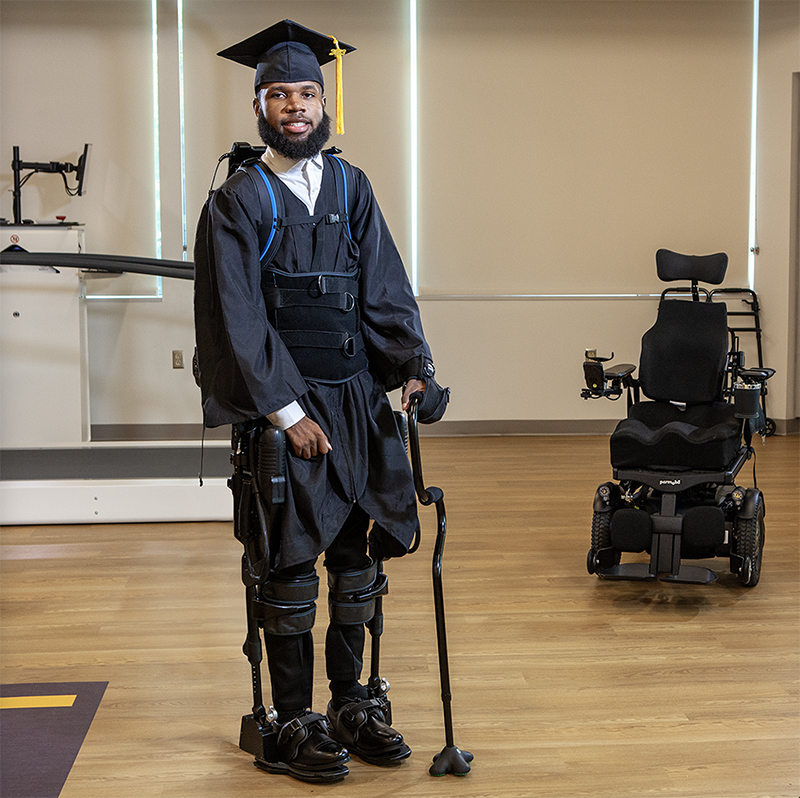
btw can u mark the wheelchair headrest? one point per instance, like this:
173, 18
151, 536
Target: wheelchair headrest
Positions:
703, 268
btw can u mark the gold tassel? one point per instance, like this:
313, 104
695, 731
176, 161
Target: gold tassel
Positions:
338, 52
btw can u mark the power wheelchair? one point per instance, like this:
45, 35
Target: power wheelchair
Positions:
676, 456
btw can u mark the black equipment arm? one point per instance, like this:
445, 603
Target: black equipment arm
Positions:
182, 270
451, 759
53, 167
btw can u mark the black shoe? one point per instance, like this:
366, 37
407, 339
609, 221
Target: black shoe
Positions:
361, 727
307, 752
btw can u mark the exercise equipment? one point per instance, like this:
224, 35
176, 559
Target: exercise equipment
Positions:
258, 485
287, 606
676, 457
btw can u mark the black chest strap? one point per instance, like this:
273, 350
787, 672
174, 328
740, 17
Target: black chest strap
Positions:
317, 317
273, 209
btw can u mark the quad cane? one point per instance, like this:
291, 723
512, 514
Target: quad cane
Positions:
451, 759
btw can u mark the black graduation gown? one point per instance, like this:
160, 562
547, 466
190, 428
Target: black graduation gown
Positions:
246, 371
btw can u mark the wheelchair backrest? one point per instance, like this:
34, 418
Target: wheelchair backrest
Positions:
684, 353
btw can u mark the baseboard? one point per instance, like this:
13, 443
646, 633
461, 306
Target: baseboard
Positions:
119, 462
789, 426
158, 432
114, 501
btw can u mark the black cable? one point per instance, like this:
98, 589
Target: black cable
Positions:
72, 192
216, 169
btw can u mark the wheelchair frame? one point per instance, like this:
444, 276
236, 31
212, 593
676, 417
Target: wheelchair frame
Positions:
666, 494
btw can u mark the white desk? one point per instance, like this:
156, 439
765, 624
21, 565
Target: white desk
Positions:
44, 403
44, 384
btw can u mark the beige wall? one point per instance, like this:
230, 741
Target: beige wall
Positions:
561, 143
777, 264
76, 72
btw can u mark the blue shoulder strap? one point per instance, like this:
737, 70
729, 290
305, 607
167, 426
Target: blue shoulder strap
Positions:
340, 175
272, 208
271, 241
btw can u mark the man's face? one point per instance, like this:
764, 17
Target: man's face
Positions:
293, 109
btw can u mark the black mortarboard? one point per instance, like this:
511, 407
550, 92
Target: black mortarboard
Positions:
287, 52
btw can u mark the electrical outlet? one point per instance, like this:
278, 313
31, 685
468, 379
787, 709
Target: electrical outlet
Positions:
177, 358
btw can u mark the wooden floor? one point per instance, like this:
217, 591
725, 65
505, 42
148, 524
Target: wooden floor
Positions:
564, 685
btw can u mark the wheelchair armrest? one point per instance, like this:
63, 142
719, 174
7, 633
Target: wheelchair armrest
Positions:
756, 375
608, 382
619, 371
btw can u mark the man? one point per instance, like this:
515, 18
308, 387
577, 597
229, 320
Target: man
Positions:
311, 341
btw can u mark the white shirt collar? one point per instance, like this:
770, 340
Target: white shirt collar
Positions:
280, 164
303, 178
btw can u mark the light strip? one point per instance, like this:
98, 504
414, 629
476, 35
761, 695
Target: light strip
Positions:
156, 129
181, 109
752, 237
413, 133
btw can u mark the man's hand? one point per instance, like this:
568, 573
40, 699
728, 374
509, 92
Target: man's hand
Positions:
307, 438
412, 386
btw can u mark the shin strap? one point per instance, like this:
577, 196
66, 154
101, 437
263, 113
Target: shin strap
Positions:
287, 606
352, 594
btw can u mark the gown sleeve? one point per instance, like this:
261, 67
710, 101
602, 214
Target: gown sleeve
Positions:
245, 369
391, 323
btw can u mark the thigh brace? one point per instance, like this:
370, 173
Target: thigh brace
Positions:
287, 606
352, 594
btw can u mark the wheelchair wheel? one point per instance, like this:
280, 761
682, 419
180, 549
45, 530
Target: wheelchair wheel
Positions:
748, 537
601, 539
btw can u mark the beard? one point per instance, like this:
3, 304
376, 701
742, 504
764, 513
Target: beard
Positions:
296, 150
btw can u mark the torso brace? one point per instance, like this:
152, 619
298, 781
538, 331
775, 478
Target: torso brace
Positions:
316, 315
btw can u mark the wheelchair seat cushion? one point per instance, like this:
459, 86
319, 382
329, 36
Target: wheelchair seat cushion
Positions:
661, 435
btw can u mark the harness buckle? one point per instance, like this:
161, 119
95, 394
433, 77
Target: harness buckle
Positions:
349, 347
349, 302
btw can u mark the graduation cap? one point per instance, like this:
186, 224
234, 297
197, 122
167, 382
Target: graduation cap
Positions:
288, 52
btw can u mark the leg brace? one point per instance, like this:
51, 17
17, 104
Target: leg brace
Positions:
352, 594
287, 606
